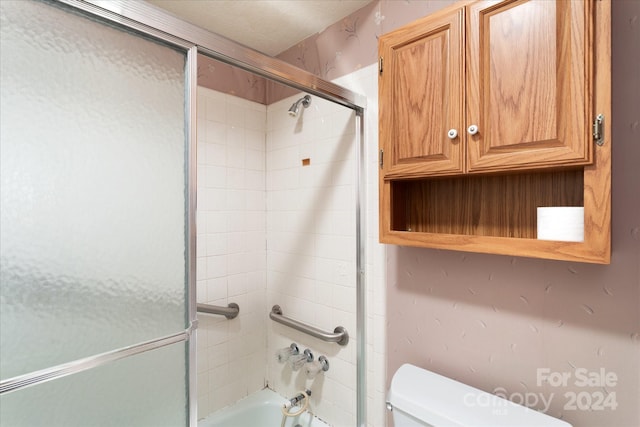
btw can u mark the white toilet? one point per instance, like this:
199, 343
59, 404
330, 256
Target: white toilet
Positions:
419, 398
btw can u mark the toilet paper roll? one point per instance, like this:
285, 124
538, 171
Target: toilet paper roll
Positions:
565, 224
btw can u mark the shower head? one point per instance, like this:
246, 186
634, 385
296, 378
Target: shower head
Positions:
295, 107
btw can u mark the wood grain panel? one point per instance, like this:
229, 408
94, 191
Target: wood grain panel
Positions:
499, 206
421, 97
521, 103
527, 85
597, 177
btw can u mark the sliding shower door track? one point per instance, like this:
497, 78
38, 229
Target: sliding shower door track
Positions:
84, 364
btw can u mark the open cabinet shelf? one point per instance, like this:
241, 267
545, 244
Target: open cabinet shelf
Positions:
497, 213
497, 206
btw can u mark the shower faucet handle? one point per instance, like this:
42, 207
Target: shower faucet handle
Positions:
309, 355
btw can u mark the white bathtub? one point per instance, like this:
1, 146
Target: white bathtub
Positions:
259, 409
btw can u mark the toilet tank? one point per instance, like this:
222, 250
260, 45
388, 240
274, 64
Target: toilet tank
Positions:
420, 398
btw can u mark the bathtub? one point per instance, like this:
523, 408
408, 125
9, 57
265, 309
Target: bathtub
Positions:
259, 409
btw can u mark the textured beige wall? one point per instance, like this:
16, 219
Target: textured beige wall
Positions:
494, 321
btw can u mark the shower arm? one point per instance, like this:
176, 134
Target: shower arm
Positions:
338, 336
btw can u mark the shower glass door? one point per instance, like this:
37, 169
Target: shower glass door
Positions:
94, 227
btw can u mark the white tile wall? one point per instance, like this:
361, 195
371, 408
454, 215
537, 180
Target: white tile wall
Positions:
231, 258
311, 247
272, 231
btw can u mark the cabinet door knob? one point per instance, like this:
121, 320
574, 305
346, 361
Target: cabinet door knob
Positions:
473, 129
452, 134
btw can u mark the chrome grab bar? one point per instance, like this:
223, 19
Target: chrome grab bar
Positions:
339, 334
230, 312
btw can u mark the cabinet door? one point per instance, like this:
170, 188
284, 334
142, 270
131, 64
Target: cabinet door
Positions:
421, 97
527, 84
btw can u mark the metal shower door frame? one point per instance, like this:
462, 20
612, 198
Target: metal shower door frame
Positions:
141, 17
189, 333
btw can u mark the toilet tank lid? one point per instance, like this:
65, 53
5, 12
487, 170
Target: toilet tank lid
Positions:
439, 400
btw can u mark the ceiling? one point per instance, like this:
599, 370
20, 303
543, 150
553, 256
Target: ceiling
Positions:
268, 26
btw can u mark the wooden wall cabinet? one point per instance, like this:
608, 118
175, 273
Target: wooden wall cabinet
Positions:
486, 112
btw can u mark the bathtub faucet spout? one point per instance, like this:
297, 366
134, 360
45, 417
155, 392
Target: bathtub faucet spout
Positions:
294, 400
302, 396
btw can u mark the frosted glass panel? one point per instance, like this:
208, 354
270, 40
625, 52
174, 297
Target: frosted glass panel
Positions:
92, 188
148, 389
